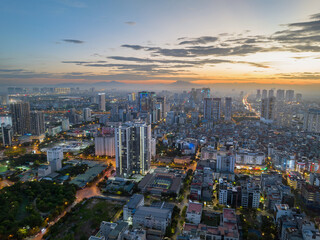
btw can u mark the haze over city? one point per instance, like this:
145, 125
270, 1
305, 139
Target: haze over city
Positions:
159, 120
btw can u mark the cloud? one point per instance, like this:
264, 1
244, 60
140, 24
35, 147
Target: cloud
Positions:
130, 23
135, 47
75, 41
198, 41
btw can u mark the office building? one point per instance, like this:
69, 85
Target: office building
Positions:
146, 101
133, 148
268, 109
86, 115
7, 134
102, 101
37, 123
228, 109
55, 157
20, 113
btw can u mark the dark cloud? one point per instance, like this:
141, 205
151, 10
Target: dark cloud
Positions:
301, 75
198, 41
135, 47
75, 41
130, 23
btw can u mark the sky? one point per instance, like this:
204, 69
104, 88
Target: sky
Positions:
151, 42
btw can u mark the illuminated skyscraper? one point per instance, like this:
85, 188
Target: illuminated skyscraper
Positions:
7, 134
133, 149
20, 113
37, 123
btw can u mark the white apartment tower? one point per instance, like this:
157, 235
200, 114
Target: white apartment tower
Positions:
55, 157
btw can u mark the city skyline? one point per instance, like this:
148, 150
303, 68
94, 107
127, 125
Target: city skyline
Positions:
147, 42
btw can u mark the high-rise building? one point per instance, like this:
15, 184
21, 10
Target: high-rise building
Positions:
228, 109
20, 113
280, 95
299, 97
289, 95
65, 124
7, 134
271, 93
86, 114
37, 123
146, 101
161, 106
133, 148
55, 157
205, 92
312, 121
102, 101
73, 116
268, 109
104, 146
225, 163
264, 93
258, 95
216, 109
207, 109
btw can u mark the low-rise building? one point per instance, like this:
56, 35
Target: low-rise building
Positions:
194, 212
150, 217
130, 208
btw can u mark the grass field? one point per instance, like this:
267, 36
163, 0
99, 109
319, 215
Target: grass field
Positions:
84, 219
3, 168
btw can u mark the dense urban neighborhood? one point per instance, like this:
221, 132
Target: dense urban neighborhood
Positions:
81, 164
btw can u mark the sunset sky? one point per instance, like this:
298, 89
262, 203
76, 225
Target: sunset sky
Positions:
146, 41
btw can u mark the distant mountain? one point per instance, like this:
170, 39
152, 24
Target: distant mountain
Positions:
183, 84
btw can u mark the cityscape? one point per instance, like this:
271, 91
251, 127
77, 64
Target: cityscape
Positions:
145, 120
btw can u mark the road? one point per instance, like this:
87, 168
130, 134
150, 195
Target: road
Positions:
248, 105
5, 183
